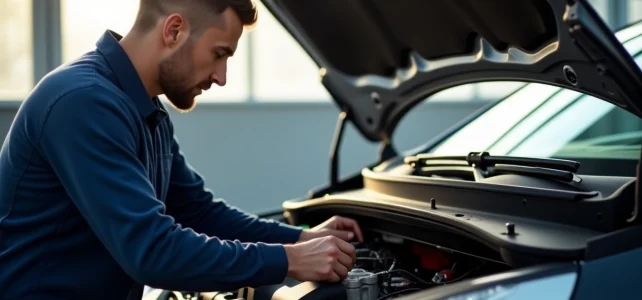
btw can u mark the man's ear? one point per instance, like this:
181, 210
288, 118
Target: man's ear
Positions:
175, 29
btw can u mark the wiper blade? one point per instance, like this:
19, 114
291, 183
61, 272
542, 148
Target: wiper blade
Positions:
484, 160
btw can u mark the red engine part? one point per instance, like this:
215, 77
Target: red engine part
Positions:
431, 258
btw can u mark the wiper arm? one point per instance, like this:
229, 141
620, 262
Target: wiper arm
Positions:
484, 160
561, 175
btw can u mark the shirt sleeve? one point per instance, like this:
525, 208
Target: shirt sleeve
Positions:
194, 206
90, 139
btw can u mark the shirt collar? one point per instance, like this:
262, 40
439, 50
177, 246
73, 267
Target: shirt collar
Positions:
128, 79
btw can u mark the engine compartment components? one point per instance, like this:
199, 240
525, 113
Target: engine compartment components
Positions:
403, 266
361, 285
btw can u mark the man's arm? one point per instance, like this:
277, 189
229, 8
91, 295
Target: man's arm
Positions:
90, 140
194, 206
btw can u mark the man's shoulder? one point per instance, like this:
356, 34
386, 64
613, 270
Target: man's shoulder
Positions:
80, 90
81, 84
89, 72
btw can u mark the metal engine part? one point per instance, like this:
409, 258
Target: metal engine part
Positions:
361, 285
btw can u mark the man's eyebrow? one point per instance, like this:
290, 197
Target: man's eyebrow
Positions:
227, 49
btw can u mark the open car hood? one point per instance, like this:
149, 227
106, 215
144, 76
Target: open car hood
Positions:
378, 58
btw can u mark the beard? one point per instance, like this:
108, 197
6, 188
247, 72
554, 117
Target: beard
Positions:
174, 78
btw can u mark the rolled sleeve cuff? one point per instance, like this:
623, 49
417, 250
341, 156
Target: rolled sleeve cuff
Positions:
286, 234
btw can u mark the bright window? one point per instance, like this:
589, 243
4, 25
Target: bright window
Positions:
16, 55
602, 7
84, 21
634, 11
282, 70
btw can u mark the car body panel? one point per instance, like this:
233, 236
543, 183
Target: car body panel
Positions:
552, 281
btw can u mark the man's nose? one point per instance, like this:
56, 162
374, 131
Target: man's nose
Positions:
219, 78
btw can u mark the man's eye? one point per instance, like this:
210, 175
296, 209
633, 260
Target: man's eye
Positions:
218, 55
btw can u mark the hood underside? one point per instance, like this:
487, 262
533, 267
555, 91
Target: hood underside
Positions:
378, 58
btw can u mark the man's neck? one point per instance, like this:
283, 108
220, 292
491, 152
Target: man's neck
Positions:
139, 48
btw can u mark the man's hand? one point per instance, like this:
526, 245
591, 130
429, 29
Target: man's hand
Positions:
343, 228
320, 259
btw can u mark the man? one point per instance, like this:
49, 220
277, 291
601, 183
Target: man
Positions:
96, 198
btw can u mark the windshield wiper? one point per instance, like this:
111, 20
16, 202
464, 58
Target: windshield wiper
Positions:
490, 165
483, 160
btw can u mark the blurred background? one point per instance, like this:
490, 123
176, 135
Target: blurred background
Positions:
264, 137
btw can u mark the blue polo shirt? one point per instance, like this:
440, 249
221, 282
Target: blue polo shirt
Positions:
97, 200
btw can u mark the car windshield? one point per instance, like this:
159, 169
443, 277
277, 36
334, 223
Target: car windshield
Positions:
545, 121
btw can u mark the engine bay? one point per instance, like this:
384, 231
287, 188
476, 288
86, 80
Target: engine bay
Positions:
386, 267
400, 266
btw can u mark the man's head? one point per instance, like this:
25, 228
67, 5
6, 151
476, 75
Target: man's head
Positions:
196, 38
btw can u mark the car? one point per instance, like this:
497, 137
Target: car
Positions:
520, 200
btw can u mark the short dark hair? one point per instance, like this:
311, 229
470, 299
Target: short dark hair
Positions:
198, 12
